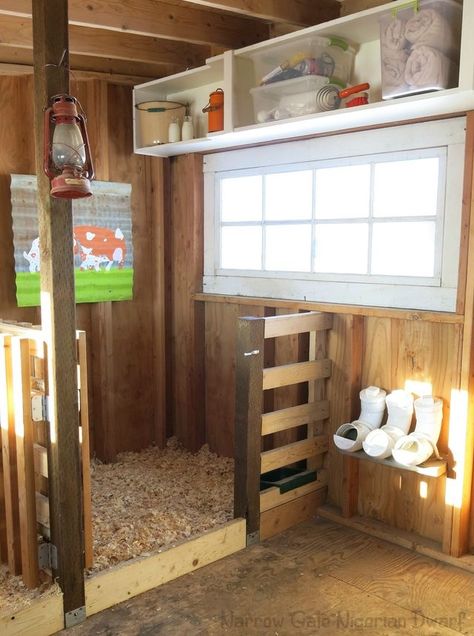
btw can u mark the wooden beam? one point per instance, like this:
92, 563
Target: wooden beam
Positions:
248, 418
461, 430
295, 373
154, 19
120, 71
301, 12
58, 317
294, 416
295, 452
296, 323
17, 32
123, 582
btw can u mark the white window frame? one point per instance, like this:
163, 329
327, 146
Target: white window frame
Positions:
438, 293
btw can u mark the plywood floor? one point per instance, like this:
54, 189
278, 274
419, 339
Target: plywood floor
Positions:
317, 578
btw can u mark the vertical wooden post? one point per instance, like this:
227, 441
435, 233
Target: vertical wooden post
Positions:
25, 461
8, 441
51, 58
350, 476
248, 422
85, 450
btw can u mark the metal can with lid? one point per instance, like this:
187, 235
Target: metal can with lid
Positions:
215, 111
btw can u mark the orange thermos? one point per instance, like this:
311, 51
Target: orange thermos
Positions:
215, 111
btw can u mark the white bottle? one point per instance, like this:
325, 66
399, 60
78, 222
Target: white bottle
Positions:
174, 133
187, 131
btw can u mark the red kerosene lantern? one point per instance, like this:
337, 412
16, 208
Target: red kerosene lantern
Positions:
67, 157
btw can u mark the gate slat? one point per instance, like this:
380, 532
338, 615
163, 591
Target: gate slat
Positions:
8, 440
25, 460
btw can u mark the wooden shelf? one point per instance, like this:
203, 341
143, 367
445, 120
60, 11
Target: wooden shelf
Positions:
234, 72
430, 468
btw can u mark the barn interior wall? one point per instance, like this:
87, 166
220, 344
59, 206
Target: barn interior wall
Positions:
125, 339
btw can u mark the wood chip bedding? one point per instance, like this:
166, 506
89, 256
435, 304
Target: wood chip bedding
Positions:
142, 503
156, 498
14, 595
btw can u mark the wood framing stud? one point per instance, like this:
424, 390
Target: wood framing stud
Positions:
248, 422
50, 44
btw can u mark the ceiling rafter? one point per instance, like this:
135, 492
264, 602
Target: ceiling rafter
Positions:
126, 71
155, 18
17, 32
300, 12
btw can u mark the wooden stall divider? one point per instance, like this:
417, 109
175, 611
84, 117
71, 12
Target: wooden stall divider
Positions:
274, 510
25, 438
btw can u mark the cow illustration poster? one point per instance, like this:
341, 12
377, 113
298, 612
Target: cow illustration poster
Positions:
103, 254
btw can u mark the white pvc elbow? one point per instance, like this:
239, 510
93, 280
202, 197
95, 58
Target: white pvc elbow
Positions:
380, 442
416, 448
350, 436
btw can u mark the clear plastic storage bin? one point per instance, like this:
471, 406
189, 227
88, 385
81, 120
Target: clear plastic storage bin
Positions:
420, 48
295, 97
326, 56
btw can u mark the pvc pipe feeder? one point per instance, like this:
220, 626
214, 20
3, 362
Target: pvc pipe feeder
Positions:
350, 436
419, 446
380, 442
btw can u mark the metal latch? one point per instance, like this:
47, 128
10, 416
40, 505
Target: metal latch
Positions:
47, 556
40, 408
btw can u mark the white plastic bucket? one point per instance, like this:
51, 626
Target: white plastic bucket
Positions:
154, 119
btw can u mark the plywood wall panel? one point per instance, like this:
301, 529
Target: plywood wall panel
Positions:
343, 385
221, 334
397, 351
17, 156
187, 316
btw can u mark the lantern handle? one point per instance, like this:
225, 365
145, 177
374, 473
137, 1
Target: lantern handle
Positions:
46, 143
85, 137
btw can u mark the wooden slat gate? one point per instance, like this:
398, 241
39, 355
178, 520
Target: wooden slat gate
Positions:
24, 502
277, 508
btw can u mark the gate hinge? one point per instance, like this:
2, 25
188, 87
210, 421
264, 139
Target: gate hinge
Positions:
47, 556
40, 408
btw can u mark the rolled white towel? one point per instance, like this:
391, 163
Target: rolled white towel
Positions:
430, 28
393, 35
427, 68
393, 69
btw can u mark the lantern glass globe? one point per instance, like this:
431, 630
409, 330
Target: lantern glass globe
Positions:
68, 147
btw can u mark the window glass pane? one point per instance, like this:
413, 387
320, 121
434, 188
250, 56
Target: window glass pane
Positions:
343, 192
241, 199
342, 248
241, 247
289, 195
406, 188
404, 249
288, 248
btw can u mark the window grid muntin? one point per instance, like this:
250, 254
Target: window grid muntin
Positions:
375, 158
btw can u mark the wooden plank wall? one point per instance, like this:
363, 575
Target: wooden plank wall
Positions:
126, 360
